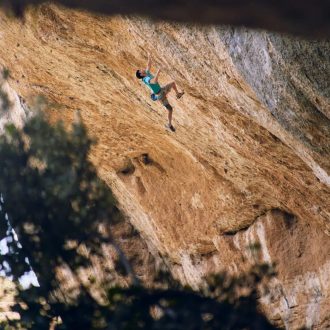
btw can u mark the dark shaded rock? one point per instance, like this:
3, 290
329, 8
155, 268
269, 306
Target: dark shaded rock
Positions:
309, 18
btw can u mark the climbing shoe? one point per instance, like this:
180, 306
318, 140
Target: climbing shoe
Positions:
170, 127
179, 95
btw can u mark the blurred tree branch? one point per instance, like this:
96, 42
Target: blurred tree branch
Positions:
307, 18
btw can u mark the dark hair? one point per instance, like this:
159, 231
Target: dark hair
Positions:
138, 74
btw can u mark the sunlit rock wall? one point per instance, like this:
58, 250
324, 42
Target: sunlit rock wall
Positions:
249, 161
292, 79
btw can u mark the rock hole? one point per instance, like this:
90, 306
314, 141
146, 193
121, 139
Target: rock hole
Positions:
128, 169
289, 220
146, 160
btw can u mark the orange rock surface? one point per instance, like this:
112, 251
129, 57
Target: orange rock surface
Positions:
230, 175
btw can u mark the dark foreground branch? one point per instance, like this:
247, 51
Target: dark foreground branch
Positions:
309, 18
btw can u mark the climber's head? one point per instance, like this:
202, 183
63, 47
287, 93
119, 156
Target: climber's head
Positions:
140, 74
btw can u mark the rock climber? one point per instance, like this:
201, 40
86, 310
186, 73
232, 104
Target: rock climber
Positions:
159, 92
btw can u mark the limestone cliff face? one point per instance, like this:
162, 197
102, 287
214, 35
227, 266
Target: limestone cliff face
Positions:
249, 161
291, 77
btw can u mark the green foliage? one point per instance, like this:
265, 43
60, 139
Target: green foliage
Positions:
55, 201
226, 302
54, 198
4, 100
5, 73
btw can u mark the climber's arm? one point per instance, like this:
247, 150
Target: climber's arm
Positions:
149, 62
155, 80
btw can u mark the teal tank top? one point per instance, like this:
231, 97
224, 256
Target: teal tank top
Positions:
154, 87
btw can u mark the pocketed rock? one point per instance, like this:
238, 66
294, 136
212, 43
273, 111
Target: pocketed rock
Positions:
251, 146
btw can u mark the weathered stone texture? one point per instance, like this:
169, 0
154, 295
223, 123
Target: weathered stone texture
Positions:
292, 79
249, 160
